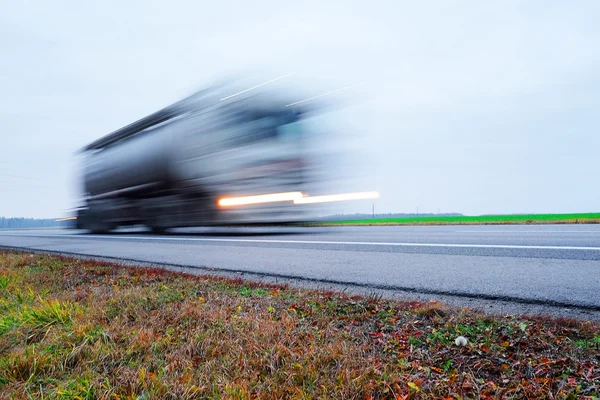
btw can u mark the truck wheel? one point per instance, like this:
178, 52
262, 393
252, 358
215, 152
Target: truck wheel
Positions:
158, 229
98, 227
157, 224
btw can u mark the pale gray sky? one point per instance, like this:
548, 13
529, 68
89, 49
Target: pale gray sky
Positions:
467, 106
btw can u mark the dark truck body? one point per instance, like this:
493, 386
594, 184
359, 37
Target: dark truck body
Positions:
171, 168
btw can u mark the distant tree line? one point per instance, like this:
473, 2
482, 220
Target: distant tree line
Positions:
339, 217
15, 223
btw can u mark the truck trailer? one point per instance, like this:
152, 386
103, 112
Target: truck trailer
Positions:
206, 160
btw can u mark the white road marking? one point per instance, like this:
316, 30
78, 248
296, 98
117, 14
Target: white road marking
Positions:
518, 231
327, 242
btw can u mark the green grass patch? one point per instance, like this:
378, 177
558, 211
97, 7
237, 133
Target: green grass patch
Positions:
249, 292
584, 218
47, 313
91, 330
4, 281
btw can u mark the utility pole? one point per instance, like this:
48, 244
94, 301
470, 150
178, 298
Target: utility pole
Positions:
417, 210
373, 210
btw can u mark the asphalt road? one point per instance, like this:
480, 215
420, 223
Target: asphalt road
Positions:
522, 268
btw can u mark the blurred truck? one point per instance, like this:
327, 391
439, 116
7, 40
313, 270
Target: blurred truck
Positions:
204, 161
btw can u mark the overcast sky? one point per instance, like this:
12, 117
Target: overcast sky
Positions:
467, 106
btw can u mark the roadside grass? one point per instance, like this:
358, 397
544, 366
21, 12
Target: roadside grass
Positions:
84, 329
586, 218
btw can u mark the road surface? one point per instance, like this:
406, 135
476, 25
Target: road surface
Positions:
531, 268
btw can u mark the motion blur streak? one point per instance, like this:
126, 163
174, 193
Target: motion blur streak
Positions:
66, 219
257, 86
321, 95
337, 197
260, 199
206, 162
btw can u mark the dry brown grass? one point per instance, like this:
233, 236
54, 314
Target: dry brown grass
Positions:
83, 329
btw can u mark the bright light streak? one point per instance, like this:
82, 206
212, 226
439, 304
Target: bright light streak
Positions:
259, 199
66, 219
321, 95
336, 197
257, 86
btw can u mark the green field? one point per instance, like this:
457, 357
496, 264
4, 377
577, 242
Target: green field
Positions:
584, 218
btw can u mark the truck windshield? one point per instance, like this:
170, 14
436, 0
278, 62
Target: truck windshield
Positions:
283, 127
290, 132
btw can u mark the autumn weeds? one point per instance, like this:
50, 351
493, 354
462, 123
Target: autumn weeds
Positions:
86, 329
